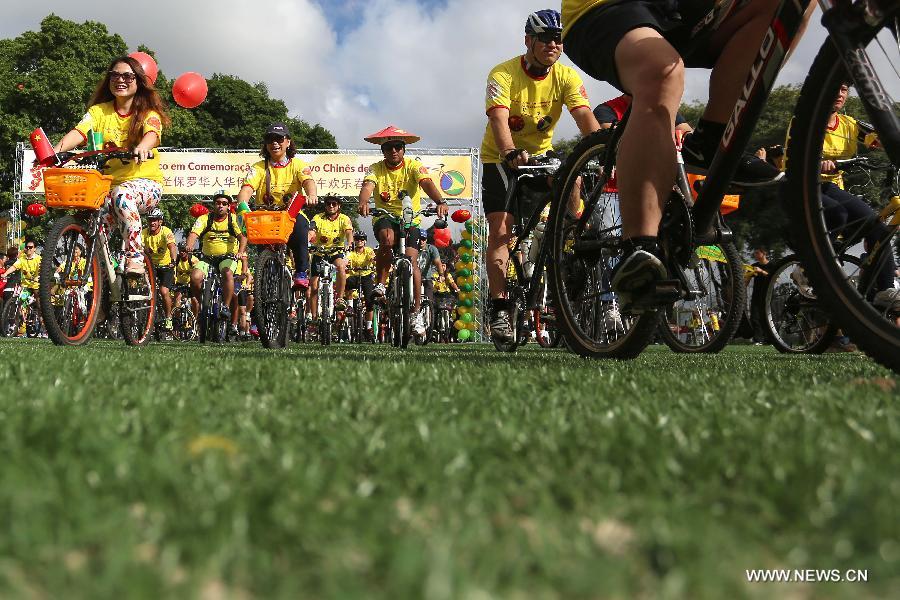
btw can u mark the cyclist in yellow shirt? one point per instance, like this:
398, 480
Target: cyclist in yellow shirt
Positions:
524, 101
29, 266
361, 273
184, 264
129, 114
224, 244
333, 235
386, 179
274, 180
159, 244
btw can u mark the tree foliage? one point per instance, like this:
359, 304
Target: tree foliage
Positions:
47, 77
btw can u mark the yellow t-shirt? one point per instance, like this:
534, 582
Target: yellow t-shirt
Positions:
286, 179
572, 10
388, 183
331, 234
183, 270
842, 142
361, 263
30, 268
157, 246
77, 270
114, 127
219, 240
535, 104
440, 283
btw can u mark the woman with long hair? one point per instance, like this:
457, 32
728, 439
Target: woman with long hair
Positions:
126, 110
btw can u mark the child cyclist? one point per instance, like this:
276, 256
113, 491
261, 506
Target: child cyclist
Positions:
126, 110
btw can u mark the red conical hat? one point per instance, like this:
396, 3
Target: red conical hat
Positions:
392, 133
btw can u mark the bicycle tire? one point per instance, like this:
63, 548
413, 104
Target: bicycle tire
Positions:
578, 282
718, 313
872, 331
137, 327
10, 318
271, 295
795, 322
60, 333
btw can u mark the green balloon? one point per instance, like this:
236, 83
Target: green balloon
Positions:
467, 318
463, 334
465, 257
469, 225
467, 303
464, 272
467, 243
467, 287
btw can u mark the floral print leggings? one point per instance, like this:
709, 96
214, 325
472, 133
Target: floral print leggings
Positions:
124, 206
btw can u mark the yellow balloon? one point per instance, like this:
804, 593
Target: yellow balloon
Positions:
459, 325
469, 265
466, 235
470, 279
462, 310
461, 281
473, 325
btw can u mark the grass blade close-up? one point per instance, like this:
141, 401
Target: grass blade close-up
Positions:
442, 472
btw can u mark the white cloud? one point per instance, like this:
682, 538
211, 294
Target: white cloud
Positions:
422, 69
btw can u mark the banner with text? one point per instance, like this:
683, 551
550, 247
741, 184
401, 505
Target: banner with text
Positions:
205, 173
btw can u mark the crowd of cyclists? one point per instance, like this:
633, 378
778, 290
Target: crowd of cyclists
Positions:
638, 46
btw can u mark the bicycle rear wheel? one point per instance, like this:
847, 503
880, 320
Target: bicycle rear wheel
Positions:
583, 253
271, 298
138, 307
872, 326
401, 311
70, 307
796, 322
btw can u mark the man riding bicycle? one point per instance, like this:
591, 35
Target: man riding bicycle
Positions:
333, 235
386, 179
29, 266
361, 273
524, 101
159, 243
223, 245
637, 46
184, 264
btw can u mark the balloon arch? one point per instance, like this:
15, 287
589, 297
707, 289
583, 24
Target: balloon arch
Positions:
194, 174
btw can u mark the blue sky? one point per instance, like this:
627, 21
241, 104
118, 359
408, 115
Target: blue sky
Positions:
346, 15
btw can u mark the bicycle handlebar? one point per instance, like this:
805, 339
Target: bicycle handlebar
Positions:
96, 158
380, 212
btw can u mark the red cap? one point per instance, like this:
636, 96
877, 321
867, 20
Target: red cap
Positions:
392, 133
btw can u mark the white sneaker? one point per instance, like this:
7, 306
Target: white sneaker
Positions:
611, 319
419, 325
888, 299
380, 289
802, 283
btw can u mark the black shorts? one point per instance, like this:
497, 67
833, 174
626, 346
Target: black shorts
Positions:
495, 180
592, 40
368, 286
165, 276
319, 258
413, 234
242, 297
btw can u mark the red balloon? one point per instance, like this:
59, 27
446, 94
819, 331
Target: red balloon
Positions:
442, 237
35, 210
461, 215
147, 63
198, 209
189, 90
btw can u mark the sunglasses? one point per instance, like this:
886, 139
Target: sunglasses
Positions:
332, 203
222, 203
126, 77
29, 247
546, 38
390, 146
271, 139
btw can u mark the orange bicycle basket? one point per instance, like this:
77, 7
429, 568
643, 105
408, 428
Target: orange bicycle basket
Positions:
80, 189
268, 226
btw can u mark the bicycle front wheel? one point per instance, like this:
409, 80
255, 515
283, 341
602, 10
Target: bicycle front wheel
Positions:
869, 314
271, 295
583, 252
70, 307
138, 306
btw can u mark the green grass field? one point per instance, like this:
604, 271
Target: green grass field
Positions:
444, 472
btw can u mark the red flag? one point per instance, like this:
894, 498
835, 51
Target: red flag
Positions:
46, 156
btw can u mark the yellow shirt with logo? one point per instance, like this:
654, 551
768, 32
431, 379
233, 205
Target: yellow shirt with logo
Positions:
114, 127
842, 142
361, 263
389, 181
572, 10
218, 240
440, 283
534, 104
331, 234
157, 246
183, 270
284, 180
77, 270
30, 268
